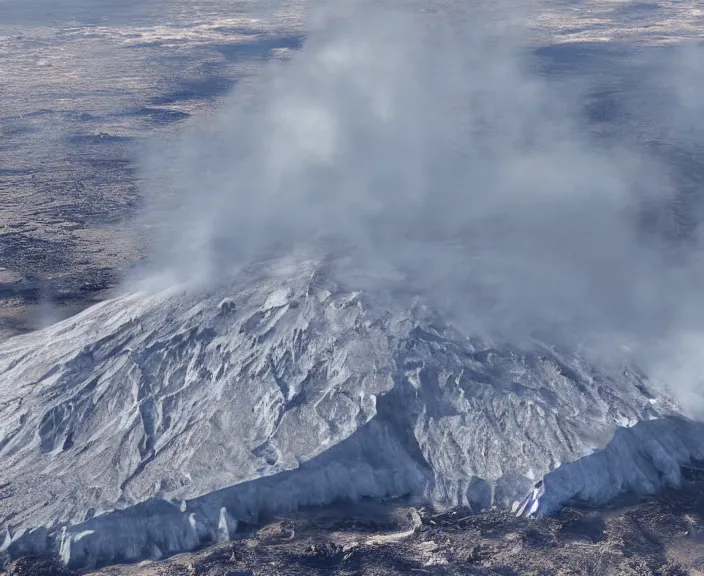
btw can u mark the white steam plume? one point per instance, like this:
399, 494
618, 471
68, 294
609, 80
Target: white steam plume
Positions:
423, 146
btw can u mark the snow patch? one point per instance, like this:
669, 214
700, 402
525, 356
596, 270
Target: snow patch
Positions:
276, 299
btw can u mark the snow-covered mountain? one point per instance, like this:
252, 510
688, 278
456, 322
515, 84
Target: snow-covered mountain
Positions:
153, 423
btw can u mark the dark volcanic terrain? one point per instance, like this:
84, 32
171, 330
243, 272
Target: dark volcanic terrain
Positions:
82, 94
657, 536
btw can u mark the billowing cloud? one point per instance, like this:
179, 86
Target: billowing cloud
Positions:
425, 147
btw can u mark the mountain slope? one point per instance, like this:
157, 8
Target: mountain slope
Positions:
150, 424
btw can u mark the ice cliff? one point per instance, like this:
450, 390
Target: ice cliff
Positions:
153, 423
642, 459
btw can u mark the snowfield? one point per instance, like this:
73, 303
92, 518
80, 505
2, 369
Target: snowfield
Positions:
154, 423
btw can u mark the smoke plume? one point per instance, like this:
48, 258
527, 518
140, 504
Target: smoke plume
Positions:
423, 147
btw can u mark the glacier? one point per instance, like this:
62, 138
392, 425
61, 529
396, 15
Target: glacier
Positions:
643, 459
154, 423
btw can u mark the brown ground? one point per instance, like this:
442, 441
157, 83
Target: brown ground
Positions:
80, 102
656, 536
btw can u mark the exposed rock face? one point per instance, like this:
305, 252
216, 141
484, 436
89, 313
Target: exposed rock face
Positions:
151, 424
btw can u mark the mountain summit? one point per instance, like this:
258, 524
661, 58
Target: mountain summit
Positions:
153, 423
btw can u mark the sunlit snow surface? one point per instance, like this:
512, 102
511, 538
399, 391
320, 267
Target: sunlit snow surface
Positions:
150, 424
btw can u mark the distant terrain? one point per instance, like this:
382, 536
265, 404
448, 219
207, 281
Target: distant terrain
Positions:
661, 536
86, 85
80, 97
